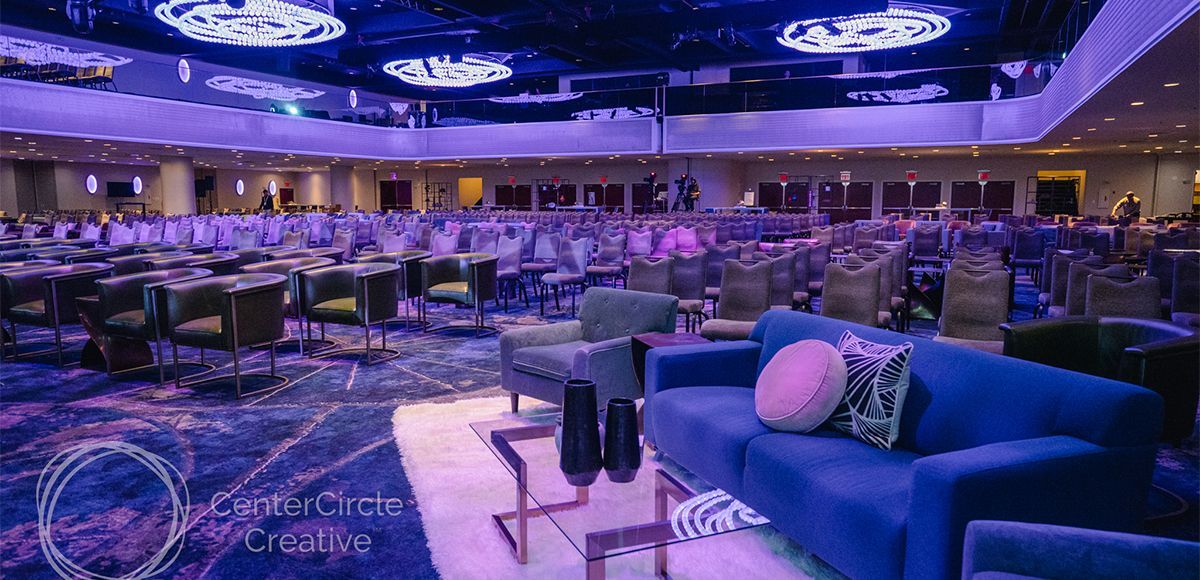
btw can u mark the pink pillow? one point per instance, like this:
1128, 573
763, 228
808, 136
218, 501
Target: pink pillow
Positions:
669, 242
801, 386
638, 243
686, 239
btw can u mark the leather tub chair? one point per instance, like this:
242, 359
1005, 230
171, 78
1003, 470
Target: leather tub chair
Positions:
467, 279
19, 254
227, 313
45, 297
352, 295
535, 360
221, 263
252, 255
334, 254
192, 248
291, 295
75, 256
133, 306
134, 263
409, 279
1154, 354
141, 248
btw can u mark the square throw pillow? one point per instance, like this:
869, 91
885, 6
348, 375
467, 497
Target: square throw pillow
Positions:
800, 386
876, 384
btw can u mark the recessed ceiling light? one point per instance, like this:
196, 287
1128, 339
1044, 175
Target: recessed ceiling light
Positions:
937, 150
1159, 147
1091, 128
1169, 85
974, 147
709, 155
1152, 135
1180, 126
1110, 118
1146, 151
1016, 148
1137, 103
18, 138
1122, 146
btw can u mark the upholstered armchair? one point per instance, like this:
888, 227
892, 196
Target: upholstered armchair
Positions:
535, 360
221, 263
1154, 354
251, 255
409, 279
291, 295
134, 263
1006, 549
334, 254
467, 279
75, 255
130, 305
45, 297
352, 295
227, 313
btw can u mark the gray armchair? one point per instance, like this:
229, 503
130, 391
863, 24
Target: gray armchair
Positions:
535, 360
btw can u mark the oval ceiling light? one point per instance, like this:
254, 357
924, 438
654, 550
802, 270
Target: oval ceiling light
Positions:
92, 184
272, 188
893, 28
256, 23
137, 185
184, 70
440, 71
240, 187
352, 98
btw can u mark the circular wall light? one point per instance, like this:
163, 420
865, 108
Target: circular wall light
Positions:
92, 184
440, 71
184, 70
893, 28
137, 185
240, 187
256, 23
353, 98
272, 188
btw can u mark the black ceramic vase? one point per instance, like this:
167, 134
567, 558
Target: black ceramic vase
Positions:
580, 459
622, 449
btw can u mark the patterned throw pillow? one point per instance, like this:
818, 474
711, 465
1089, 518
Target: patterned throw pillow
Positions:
876, 384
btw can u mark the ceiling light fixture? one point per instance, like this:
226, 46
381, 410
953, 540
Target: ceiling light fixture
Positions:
261, 89
255, 23
440, 71
926, 92
525, 98
893, 28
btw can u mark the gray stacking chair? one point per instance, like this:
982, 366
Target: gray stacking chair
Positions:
1077, 279
651, 275
687, 284
852, 293
745, 295
975, 305
1137, 298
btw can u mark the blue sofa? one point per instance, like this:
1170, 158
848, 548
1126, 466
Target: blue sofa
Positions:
1011, 550
981, 437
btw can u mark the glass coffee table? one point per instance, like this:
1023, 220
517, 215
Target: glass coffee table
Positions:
664, 505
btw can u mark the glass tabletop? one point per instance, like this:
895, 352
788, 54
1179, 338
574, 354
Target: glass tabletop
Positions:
664, 504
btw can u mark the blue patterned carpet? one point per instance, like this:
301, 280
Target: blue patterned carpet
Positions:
328, 432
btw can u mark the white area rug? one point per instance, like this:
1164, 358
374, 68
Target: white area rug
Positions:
458, 484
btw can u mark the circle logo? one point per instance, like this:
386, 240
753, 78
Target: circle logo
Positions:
92, 184
64, 466
240, 187
272, 188
184, 70
137, 185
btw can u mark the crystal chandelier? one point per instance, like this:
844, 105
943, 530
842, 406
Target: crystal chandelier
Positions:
255, 23
440, 71
260, 89
892, 28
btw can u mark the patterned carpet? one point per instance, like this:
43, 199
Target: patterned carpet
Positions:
325, 437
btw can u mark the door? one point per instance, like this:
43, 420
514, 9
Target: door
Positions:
395, 195
287, 196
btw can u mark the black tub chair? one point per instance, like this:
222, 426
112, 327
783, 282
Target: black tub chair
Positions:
334, 254
227, 313
130, 307
75, 256
221, 263
467, 279
141, 248
18, 254
193, 248
352, 295
409, 278
134, 263
45, 297
252, 255
291, 296
1154, 354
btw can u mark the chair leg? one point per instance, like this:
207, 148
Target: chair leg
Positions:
514, 401
237, 373
175, 362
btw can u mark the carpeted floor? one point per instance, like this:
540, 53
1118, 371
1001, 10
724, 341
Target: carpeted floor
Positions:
328, 435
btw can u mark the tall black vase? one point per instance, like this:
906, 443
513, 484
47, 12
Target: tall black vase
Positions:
622, 450
580, 459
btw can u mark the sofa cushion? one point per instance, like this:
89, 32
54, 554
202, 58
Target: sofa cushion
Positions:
801, 386
876, 384
707, 429
823, 487
552, 361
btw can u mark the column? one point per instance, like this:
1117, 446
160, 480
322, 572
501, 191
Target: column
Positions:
341, 186
178, 185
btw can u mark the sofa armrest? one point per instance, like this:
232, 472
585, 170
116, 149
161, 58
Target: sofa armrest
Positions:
1059, 479
1045, 551
610, 364
511, 340
733, 363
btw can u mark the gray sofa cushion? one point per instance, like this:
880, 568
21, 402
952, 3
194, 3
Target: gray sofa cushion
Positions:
550, 361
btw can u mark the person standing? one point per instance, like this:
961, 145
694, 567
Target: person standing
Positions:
267, 203
1128, 209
